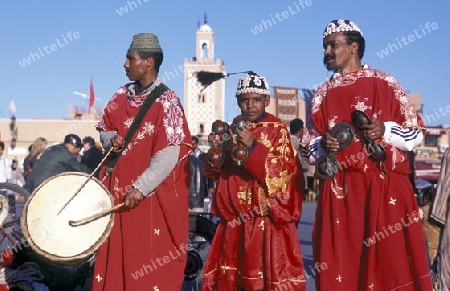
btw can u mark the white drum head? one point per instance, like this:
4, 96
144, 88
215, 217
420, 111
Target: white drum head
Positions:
50, 234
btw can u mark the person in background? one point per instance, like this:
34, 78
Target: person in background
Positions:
440, 213
5, 164
362, 209
296, 130
38, 147
92, 156
16, 176
27, 160
55, 160
258, 201
5, 175
199, 185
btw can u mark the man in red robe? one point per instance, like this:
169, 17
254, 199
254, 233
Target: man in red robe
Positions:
367, 226
147, 246
256, 244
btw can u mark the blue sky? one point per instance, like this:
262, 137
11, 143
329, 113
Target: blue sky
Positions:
85, 39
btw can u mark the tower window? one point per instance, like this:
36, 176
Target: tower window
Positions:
201, 129
205, 50
201, 97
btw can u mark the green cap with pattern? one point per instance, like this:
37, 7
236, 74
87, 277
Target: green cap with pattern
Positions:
145, 43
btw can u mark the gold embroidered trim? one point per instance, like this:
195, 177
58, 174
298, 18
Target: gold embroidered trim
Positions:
244, 194
264, 205
276, 183
225, 268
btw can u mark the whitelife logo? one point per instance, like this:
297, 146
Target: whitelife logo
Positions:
46, 50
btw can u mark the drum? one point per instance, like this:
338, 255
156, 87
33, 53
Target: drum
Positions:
46, 227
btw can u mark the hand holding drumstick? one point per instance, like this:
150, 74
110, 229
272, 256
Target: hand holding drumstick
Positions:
132, 199
117, 143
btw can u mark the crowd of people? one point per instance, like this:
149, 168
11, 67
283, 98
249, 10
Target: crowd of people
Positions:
365, 229
72, 154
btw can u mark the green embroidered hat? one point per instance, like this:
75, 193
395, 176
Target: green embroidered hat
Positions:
145, 42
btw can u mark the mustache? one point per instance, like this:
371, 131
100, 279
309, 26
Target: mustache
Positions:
327, 58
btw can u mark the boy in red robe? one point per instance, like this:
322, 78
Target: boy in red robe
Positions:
258, 201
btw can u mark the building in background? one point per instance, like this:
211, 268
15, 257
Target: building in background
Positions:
203, 107
288, 104
53, 130
428, 156
436, 138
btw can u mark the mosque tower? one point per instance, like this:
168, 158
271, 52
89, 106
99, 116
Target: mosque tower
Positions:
202, 108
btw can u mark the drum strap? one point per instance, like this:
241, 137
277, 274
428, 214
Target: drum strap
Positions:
157, 92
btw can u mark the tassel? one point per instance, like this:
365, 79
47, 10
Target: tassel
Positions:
207, 78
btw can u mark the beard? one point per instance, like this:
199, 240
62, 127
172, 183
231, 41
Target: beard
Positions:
331, 66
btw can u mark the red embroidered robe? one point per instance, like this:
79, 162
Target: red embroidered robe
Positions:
367, 226
256, 244
147, 246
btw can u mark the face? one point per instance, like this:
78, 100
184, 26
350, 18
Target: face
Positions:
337, 54
73, 149
194, 145
253, 105
136, 68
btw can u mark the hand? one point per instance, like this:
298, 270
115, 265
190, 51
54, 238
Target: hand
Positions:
329, 143
133, 198
375, 130
211, 191
213, 140
245, 136
117, 143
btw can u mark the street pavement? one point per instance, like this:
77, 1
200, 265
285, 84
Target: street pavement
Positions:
304, 235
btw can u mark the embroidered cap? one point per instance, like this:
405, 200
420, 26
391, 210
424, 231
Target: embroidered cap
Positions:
252, 83
145, 43
340, 26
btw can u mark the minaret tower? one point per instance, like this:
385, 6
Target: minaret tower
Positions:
202, 108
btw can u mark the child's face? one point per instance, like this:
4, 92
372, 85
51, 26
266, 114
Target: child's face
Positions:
253, 105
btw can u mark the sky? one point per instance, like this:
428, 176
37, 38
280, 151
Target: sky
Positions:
51, 48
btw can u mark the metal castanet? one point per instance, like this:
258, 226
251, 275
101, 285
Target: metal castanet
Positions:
327, 165
375, 151
215, 155
239, 152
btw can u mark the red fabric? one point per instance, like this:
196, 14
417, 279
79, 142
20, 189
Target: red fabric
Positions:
147, 245
256, 245
91, 95
367, 228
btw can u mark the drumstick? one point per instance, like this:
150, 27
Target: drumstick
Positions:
85, 182
95, 216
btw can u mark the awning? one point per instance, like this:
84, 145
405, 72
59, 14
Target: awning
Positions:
435, 131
